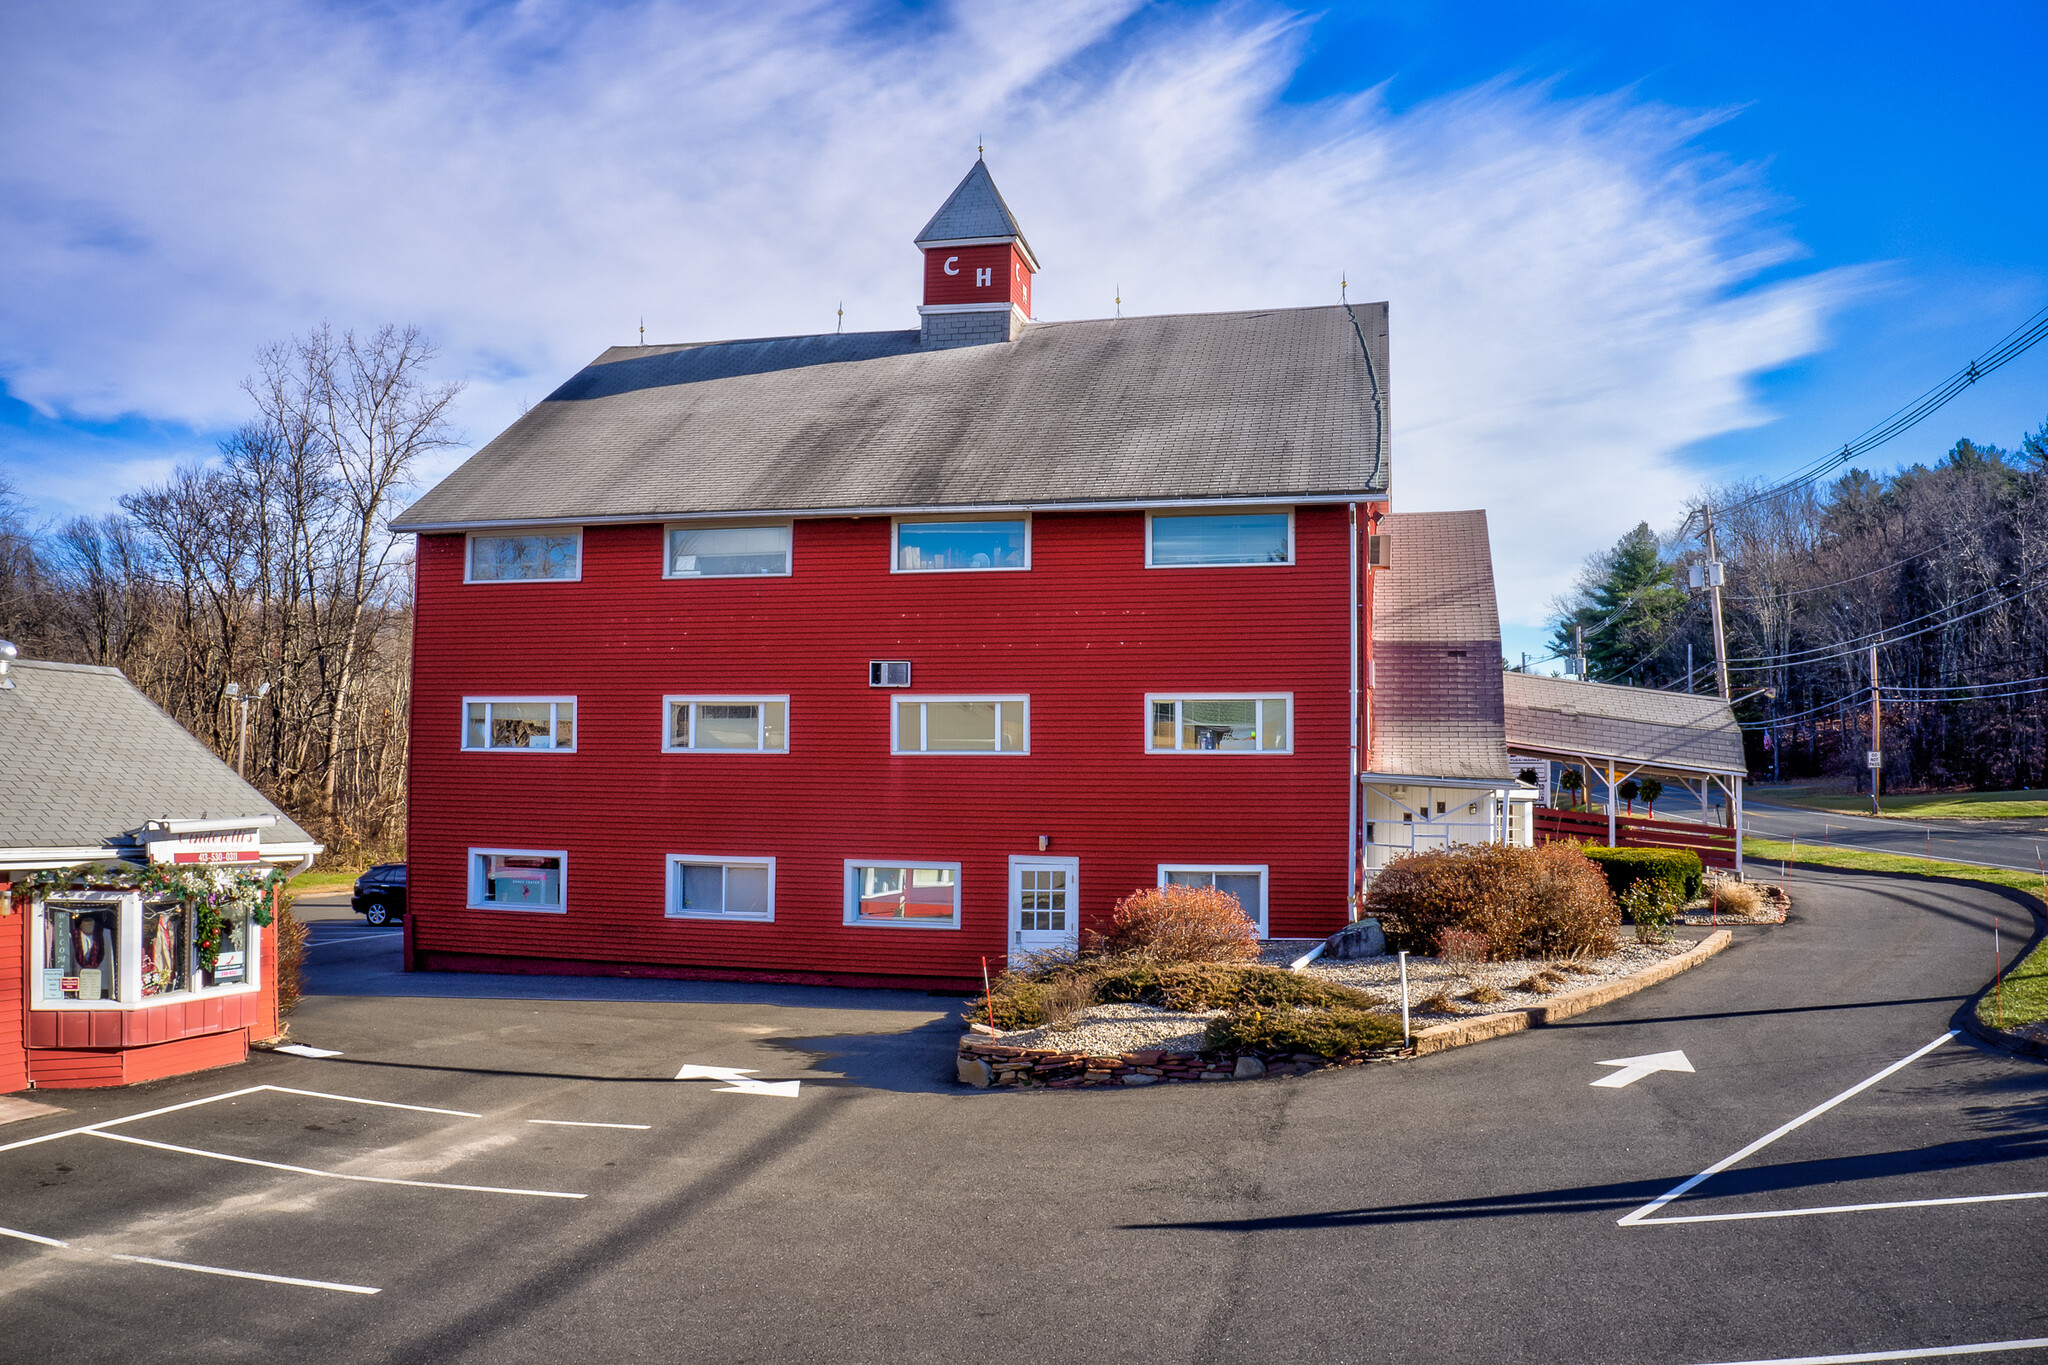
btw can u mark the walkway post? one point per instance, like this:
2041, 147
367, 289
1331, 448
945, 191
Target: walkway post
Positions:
1610, 805
1738, 828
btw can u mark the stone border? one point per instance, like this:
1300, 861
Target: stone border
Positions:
1444, 1037
2001, 1038
984, 1063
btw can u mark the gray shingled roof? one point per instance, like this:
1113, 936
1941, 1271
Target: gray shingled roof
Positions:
90, 759
1277, 403
1436, 701
1563, 717
974, 209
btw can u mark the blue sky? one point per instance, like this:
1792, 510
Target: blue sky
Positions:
1630, 249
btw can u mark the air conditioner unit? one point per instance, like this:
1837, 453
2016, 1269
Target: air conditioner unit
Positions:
888, 673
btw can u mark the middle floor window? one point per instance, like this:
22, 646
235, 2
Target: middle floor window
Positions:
961, 725
1219, 722
727, 724
519, 723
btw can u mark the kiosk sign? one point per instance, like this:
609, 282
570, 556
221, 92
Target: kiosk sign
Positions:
208, 846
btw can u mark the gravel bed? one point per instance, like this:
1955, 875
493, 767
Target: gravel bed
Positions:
1278, 952
1105, 1030
1426, 975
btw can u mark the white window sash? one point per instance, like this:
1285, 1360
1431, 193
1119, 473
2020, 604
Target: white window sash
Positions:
469, 554
554, 705
725, 864
1257, 699
850, 890
1259, 915
758, 701
896, 541
923, 702
1224, 512
668, 532
473, 878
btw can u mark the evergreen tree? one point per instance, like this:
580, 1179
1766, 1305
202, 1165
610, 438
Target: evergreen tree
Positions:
1632, 584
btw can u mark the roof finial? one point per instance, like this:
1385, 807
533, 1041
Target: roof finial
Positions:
643, 329
838, 326
1119, 300
1344, 287
979, 150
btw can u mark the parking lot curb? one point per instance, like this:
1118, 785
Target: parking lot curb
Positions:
1444, 1037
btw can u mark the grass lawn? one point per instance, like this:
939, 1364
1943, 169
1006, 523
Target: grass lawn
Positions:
2026, 983
312, 881
2026, 805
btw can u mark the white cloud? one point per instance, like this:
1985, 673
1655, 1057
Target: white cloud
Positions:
1567, 277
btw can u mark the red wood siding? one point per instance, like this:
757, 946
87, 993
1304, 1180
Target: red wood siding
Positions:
79, 1068
148, 1025
1086, 632
13, 996
1009, 276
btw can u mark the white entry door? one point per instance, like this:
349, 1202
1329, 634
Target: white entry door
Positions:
1045, 904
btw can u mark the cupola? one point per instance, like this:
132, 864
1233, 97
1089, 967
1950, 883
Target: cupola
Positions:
977, 267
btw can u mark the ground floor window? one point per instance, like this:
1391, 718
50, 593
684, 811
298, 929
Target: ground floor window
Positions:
517, 879
906, 895
721, 888
1247, 882
115, 950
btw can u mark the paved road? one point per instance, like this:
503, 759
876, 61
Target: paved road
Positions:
1998, 843
1461, 1208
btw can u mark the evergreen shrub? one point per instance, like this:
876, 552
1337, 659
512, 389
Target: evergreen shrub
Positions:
1323, 1033
1680, 870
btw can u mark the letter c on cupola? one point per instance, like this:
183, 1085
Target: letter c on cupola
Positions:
952, 266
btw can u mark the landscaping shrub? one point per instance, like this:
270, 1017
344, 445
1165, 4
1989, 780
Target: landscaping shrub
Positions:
1736, 898
1323, 1033
1483, 994
1021, 999
1680, 869
1179, 924
1062, 998
291, 955
1523, 902
1651, 908
1461, 945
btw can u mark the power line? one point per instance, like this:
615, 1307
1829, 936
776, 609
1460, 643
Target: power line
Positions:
2009, 348
1896, 564
1886, 634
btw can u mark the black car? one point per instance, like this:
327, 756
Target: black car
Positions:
380, 894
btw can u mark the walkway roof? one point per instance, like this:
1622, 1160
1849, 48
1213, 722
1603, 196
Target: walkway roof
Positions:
1635, 726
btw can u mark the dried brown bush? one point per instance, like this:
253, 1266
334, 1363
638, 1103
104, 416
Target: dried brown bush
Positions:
291, 954
1061, 1000
1169, 924
1461, 945
1483, 994
1549, 901
1440, 1003
1535, 984
1736, 898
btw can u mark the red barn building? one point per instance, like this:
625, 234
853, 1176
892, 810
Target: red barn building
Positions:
864, 657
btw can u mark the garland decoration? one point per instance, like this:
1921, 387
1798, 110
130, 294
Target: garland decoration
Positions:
212, 893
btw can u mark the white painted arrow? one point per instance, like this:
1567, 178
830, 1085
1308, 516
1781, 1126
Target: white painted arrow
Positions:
739, 1080
1634, 1069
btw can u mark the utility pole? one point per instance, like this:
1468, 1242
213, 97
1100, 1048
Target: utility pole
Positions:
1876, 735
1715, 576
241, 704
1688, 665
1579, 652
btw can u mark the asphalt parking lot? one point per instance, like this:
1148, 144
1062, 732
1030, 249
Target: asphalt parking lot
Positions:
506, 1169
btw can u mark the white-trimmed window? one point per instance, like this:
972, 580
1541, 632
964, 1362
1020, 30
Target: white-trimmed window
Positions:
519, 724
509, 557
518, 879
960, 725
959, 544
727, 550
97, 950
903, 895
1246, 881
757, 725
721, 888
1219, 722
1194, 540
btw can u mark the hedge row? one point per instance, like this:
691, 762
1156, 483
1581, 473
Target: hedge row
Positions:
1680, 870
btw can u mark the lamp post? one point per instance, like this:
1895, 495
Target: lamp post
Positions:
242, 702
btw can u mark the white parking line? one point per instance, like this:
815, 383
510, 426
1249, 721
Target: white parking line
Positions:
575, 1123
233, 1095
1920, 1353
331, 1175
1641, 1218
188, 1265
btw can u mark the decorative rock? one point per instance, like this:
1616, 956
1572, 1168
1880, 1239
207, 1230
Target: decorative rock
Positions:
1140, 1078
976, 1072
1360, 938
1248, 1067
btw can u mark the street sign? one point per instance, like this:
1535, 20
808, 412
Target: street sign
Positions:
1875, 757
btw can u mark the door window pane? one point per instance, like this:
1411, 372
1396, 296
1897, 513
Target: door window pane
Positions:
727, 551
941, 545
1042, 900
510, 558
1180, 539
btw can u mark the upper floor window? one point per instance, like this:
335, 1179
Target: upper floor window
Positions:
517, 879
961, 544
1207, 722
738, 724
727, 551
519, 723
506, 558
1181, 540
961, 725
